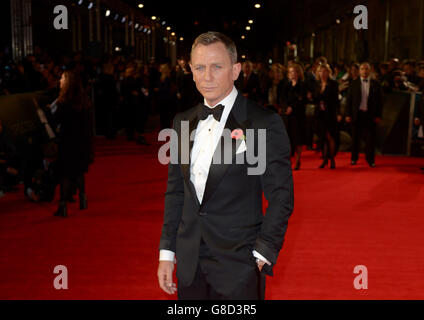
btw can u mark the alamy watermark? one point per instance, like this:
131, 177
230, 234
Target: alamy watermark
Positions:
224, 152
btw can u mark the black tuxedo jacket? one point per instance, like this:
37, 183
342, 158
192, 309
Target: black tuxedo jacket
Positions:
375, 100
230, 219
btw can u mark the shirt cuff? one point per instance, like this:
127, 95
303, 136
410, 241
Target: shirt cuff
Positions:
166, 255
256, 254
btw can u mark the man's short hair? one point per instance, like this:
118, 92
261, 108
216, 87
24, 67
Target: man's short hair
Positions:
211, 37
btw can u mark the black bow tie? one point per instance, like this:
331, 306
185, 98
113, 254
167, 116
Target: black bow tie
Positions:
216, 112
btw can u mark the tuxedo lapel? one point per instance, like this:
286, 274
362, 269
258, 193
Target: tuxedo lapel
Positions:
193, 120
237, 119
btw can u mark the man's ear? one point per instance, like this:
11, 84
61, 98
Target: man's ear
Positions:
191, 68
236, 70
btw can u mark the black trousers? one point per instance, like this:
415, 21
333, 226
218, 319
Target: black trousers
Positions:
201, 289
364, 128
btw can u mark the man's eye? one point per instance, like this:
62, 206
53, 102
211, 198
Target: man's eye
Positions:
199, 68
218, 67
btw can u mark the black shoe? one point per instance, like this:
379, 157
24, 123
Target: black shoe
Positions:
142, 140
333, 164
62, 211
353, 163
83, 201
323, 164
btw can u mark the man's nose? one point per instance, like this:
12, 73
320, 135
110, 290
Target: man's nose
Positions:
208, 74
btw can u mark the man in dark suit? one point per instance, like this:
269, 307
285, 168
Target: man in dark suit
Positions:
248, 83
364, 108
213, 221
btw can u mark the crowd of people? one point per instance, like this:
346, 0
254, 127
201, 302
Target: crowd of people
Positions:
316, 102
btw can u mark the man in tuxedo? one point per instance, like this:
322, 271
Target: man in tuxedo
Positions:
364, 107
213, 220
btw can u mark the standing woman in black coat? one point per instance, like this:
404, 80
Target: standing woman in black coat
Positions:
327, 107
74, 146
294, 99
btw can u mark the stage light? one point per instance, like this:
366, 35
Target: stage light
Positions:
107, 13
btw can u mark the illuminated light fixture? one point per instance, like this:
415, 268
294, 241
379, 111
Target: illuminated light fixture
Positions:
141, 6
153, 18
243, 56
250, 21
172, 33
80, 2
123, 19
181, 39
149, 31
107, 13
90, 5
338, 21
117, 49
257, 6
248, 28
163, 22
270, 61
243, 37
136, 25
168, 28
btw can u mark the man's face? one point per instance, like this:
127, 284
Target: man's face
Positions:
364, 70
213, 71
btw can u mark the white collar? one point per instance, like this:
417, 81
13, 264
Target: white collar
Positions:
227, 102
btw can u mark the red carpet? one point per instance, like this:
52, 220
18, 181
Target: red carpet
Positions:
344, 217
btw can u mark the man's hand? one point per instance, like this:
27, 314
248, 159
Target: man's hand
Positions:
260, 264
165, 270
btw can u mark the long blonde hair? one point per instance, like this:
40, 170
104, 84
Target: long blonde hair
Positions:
324, 66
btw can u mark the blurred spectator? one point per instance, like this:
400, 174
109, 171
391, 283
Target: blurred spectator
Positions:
248, 82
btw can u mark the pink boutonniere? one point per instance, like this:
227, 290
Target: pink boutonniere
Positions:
238, 134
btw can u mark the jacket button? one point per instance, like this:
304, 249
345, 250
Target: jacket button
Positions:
203, 214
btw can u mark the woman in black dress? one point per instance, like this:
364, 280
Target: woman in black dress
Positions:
327, 106
294, 100
74, 139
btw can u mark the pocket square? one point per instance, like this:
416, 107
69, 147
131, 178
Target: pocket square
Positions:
242, 147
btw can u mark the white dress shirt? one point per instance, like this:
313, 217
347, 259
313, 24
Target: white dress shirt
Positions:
206, 139
365, 92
